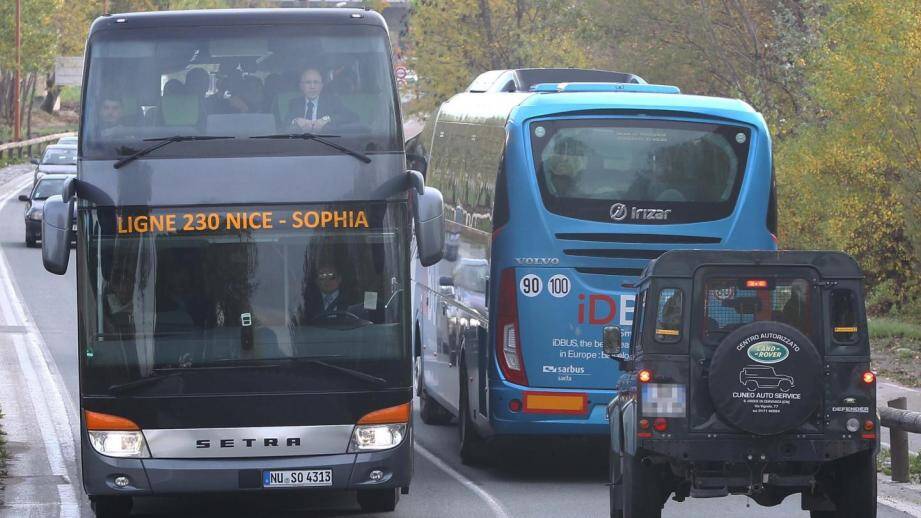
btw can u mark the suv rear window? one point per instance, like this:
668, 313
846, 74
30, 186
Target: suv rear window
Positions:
730, 303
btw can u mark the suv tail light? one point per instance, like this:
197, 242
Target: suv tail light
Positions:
508, 342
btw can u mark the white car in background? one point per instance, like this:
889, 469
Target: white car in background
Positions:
57, 159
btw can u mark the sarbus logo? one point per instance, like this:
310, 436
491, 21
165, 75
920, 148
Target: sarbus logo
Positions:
768, 352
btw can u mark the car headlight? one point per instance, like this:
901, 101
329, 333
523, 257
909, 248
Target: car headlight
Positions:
120, 444
664, 400
36, 214
373, 437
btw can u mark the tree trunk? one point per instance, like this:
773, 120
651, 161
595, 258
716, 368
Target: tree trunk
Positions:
33, 78
51, 97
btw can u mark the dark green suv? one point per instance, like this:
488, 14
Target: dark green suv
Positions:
749, 373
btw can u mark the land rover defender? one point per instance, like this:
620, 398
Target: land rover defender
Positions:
748, 373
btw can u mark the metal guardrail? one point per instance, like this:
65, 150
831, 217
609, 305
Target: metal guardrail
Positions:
900, 422
15, 149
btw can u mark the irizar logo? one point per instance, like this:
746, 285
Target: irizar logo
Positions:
619, 212
768, 352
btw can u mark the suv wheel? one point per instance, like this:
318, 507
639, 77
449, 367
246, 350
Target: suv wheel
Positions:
378, 500
30, 241
641, 488
855, 480
112, 506
472, 446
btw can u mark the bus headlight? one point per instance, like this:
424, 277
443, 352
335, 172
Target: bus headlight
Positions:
120, 443
664, 400
373, 437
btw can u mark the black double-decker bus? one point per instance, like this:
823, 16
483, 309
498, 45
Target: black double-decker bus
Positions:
244, 227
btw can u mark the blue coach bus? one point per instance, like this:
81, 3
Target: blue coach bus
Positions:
559, 186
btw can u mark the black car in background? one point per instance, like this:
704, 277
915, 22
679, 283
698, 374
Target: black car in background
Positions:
47, 185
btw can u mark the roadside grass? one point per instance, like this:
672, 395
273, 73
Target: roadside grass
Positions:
4, 455
896, 349
884, 465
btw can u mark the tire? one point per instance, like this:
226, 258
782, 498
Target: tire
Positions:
473, 448
615, 485
641, 489
30, 241
784, 386
431, 412
112, 506
855, 483
378, 500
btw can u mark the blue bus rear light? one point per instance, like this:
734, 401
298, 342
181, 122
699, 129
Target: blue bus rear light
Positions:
605, 87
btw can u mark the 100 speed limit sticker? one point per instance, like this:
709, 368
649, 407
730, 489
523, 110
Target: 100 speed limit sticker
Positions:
531, 285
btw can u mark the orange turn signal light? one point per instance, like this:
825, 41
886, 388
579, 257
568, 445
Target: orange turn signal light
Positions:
644, 376
106, 422
391, 415
644, 424
868, 377
869, 425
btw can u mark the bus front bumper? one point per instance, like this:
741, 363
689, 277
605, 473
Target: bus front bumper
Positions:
157, 477
505, 421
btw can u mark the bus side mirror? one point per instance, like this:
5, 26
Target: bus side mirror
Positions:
428, 210
57, 229
417, 162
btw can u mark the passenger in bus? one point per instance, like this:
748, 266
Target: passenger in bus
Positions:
315, 110
110, 115
198, 82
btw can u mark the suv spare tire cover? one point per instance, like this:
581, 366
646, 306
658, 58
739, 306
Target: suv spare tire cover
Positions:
766, 378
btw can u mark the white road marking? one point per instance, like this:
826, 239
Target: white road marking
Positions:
893, 385
45, 389
497, 509
900, 505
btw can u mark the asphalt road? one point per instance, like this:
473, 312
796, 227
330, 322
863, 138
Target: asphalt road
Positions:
530, 480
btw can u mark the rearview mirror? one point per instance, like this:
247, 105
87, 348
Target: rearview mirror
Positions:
23, 197
612, 343
34, 161
428, 216
57, 229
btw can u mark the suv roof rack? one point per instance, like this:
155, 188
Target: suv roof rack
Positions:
522, 79
605, 87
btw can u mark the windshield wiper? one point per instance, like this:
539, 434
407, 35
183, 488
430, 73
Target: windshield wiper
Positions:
162, 142
321, 139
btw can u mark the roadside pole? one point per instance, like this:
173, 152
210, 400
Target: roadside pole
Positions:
17, 120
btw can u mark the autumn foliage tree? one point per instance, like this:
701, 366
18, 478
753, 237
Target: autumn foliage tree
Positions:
452, 42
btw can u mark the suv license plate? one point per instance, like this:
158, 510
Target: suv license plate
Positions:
297, 478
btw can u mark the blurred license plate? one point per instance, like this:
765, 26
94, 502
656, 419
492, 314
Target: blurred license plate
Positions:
297, 478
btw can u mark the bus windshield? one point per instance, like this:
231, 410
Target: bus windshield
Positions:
683, 171
239, 82
223, 300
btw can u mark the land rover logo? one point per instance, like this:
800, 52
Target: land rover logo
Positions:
768, 352
618, 211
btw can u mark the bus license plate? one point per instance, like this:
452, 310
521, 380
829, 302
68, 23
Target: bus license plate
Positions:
297, 478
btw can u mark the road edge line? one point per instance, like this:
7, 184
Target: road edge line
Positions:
497, 508
60, 413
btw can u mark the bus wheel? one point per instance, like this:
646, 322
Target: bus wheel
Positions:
378, 500
472, 446
641, 489
431, 412
111, 506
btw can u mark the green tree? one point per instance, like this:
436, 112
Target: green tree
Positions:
452, 42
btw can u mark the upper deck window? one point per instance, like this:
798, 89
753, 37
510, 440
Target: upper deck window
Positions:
639, 171
239, 82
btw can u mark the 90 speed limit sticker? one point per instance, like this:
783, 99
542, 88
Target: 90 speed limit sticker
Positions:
531, 285
559, 285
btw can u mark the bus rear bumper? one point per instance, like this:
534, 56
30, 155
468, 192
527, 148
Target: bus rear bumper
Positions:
158, 477
504, 421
